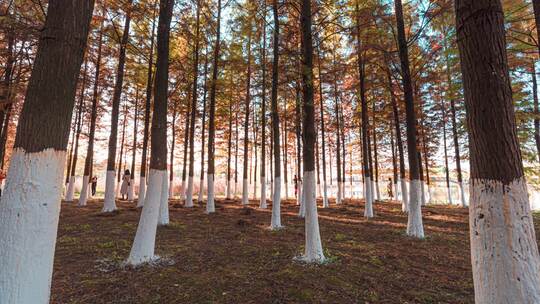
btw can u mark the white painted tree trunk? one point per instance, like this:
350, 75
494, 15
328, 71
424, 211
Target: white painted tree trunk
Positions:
262, 203
109, 204
131, 190
338, 196
29, 212
325, 195
319, 190
70, 190
368, 210
235, 189
313, 249
428, 194
201, 189
405, 196
463, 197
142, 192
245, 192
142, 250
504, 252
415, 228
276, 205
183, 190
228, 194
83, 197
210, 205
449, 193
164, 202
396, 191
189, 192
254, 196
300, 201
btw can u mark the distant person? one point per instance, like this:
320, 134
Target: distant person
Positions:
389, 189
94, 185
295, 179
126, 181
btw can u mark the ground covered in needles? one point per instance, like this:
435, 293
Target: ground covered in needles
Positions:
232, 257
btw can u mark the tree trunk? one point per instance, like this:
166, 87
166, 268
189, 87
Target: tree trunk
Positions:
323, 138
313, 248
229, 152
446, 169
395, 113
191, 173
173, 145
203, 127
131, 185
368, 195
262, 203
147, 112
186, 147
30, 205
245, 190
109, 203
83, 197
276, 192
504, 252
210, 205
156, 206
338, 140
71, 183
415, 227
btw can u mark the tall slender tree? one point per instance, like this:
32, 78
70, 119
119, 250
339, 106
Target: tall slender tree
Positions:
195, 87
143, 246
415, 227
83, 197
276, 186
210, 204
313, 247
30, 205
245, 190
109, 203
147, 112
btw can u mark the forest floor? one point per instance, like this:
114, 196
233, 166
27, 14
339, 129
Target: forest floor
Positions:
232, 257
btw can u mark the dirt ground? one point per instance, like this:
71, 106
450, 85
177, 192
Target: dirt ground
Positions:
232, 257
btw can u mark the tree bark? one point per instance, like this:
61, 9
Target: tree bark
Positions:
415, 227
313, 247
504, 252
30, 204
155, 209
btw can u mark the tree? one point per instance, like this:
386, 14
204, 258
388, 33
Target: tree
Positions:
415, 227
147, 112
143, 246
83, 197
109, 204
276, 187
210, 204
504, 253
262, 203
189, 192
245, 195
313, 247
30, 205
